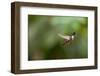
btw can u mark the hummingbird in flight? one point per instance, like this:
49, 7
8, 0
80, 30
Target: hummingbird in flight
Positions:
67, 38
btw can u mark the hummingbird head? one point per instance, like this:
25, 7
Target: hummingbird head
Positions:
73, 33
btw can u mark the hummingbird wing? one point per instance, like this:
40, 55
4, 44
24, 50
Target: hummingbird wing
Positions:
64, 37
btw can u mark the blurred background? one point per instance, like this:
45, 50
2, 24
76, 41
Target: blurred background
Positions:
45, 44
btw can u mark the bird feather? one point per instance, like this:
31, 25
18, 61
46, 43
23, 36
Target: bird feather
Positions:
64, 37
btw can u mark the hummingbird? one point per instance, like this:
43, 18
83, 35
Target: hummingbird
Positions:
67, 38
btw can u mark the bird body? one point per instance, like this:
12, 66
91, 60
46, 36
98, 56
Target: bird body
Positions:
72, 37
67, 38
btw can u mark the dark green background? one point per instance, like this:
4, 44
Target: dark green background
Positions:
45, 44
